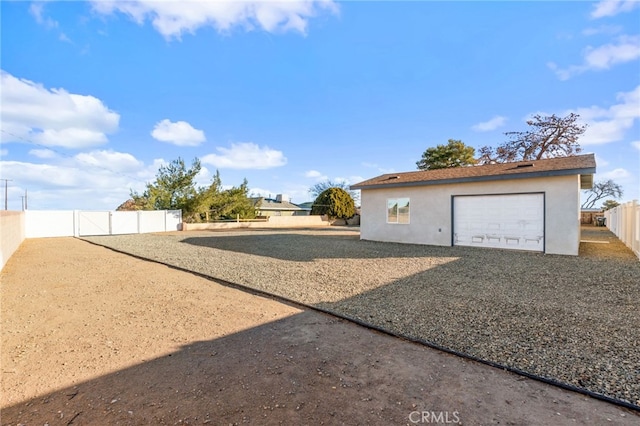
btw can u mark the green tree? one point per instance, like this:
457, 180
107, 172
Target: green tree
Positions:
212, 199
226, 203
601, 190
549, 136
173, 189
454, 154
236, 203
335, 203
609, 204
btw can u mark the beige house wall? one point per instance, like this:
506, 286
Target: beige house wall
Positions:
270, 222
11, 233
431, 215
269, 213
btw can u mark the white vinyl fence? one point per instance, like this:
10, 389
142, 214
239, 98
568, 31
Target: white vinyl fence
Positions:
16, 226
624, 221
81, 223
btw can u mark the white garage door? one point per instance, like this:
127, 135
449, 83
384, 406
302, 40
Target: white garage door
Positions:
510, 221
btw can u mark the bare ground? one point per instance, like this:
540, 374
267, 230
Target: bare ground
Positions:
90, 336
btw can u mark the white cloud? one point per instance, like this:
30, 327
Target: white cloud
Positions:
204, 177
43, 153
607, 125
314, 174
245, 155
606, 8
260, 192
91, 180
624, 49
602, 29
179, 133
486, 126
52, 117
636, 145
37, 11
615, 174
53, 177
172, 19
119, 162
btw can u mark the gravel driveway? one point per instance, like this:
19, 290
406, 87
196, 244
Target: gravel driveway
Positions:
572, 319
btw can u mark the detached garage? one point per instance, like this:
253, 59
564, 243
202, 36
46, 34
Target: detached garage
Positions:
532, 205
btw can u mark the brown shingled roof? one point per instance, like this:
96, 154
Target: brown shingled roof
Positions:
577, 164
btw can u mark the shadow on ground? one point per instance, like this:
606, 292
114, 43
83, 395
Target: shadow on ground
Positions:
306, 369
570, 318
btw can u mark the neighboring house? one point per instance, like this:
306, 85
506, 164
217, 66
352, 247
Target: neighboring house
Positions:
281, 206
527, 205
308, 205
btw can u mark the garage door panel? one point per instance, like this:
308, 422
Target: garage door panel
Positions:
500, 221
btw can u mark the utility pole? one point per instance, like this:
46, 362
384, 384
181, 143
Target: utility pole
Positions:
6, 181
25, 199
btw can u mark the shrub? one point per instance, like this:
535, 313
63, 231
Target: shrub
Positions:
335, 203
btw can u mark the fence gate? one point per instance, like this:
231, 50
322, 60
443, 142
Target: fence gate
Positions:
119, 222
94, 223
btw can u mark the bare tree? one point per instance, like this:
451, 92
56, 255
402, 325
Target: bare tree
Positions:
600, 190
549, 137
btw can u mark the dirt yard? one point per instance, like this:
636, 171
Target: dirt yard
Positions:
90, 336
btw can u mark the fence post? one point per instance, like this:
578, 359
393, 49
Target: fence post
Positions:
76, 223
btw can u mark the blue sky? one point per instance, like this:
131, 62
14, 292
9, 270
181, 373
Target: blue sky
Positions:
97, 95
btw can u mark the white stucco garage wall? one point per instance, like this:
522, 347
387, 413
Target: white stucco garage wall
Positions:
431, 215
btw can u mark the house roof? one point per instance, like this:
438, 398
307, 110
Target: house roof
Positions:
306, 205
271, 204
583, 165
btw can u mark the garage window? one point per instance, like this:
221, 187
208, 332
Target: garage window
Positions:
398, 210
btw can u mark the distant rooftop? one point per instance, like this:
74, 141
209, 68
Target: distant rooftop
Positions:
281, 202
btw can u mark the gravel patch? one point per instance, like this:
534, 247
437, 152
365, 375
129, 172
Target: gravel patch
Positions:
571, 319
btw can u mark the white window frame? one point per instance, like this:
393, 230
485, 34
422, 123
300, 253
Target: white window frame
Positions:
399, 218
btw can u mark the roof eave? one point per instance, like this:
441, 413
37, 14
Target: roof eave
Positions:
582, 171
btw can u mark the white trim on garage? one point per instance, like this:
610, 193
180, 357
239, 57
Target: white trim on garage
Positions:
507, 221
